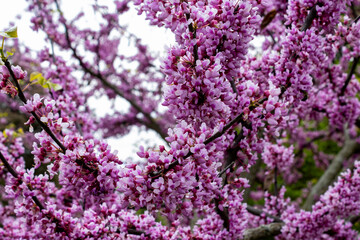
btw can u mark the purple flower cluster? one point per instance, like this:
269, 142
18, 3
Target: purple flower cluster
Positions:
236, 125
277, 156
339, 202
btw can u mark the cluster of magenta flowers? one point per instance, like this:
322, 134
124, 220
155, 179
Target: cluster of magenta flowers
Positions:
236, 124
5, 85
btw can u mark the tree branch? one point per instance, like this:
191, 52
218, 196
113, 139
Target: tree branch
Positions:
263, 232
237, 119
349, 76
309, 19
349, 148
152, 123
224, 214
43, 125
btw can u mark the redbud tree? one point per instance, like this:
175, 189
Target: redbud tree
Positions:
259, 143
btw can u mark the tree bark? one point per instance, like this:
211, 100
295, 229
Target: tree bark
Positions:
263, 232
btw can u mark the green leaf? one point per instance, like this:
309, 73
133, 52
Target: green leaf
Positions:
38, 78
35, 76
54, 86
3, 114
42, 81
10, 33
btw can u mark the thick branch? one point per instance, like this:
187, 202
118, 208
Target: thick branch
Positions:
349, 148
263, 232
224, 214
309, 19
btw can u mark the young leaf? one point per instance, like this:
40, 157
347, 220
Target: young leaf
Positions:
10, 33
42, 81
53, 86
35, 76
38, 78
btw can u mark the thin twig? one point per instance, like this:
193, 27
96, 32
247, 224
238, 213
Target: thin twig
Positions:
8, 166
43, 125
226, 168
16, 176
349, 76
24, 100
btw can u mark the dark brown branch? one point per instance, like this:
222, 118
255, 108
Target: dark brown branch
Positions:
309, 19
8, 166
275, 181
24, 100
16, 175
263, 232
354, 219
237, 119
357, 19
251, 176
192, 29
136, 232
306, 25
43, 125
353, 10
224, 214
349, 76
